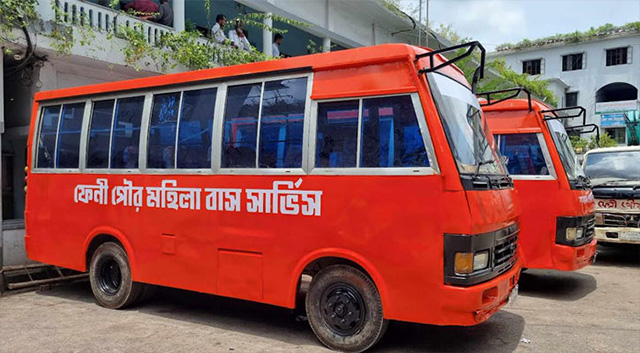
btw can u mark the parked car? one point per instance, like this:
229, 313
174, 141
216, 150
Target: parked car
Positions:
615, 175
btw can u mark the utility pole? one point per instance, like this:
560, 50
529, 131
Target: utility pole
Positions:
427, 20
420, 24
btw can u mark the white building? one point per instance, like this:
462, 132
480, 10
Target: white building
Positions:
332, 25
602, 75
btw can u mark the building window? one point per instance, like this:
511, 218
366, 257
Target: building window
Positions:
617, 56
619, 134
532, 67
571, 99
572, 62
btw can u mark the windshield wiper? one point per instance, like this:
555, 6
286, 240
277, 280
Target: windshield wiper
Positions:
481, 163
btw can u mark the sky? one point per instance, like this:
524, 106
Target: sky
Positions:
494, 22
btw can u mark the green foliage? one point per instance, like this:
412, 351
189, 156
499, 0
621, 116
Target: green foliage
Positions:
579, 144
574, 37
16, 14
605, 141
448, 32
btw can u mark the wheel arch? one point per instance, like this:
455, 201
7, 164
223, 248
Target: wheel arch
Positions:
101, 235
327, 257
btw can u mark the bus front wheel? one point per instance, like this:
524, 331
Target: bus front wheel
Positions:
110, 277
344, 309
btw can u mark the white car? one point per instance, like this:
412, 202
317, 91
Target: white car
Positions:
615, 176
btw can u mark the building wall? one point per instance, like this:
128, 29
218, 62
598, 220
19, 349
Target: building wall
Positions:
592, 77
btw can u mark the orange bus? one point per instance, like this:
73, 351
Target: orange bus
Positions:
558, 207
367, 169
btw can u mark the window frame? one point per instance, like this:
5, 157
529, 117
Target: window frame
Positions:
81, 146
545, 153
540, 70
422, 124
565, 57
626, 56
219, 129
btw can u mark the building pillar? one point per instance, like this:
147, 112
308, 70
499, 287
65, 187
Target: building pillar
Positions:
326, 44
179, 15
267, 40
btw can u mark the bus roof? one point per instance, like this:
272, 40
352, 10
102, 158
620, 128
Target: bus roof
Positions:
516, 104
379, 54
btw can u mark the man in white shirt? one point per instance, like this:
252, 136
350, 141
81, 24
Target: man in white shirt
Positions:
218, 31
277, 40
238, 37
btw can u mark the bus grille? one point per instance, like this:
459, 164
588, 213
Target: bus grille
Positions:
504, 252
621, 220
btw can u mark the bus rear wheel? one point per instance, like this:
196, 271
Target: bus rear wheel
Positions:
344, 309
110, 277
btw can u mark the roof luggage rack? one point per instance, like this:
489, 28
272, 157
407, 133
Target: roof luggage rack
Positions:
478, 73
516, 91
580, 112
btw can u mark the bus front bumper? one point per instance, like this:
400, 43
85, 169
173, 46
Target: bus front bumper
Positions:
569, 258
624, 235
467, 306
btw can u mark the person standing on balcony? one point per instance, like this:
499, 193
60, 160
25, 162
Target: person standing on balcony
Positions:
218, 29
238, 37
277, 40
164, 16
142, 8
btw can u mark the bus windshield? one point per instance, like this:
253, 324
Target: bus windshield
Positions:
567, 155
617, 165
467, 132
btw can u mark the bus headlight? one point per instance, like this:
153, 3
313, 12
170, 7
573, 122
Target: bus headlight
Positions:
466, 262
573, 234
481, 260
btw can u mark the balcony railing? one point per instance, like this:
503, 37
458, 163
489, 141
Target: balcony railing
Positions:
100, 18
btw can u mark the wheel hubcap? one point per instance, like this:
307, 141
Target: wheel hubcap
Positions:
110, 276
343, 309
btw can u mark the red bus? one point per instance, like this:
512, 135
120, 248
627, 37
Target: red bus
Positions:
367, 169
558, 208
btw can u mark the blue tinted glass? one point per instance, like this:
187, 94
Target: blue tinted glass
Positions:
99, 134
525, 154
196, 124
69, 135
161, 150
126, 132
47, 136
337, 134
390, 134
281, 123
240, 126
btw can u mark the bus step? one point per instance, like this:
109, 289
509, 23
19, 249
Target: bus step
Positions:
27, 276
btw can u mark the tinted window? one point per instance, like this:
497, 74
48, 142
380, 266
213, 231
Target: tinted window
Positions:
196, 125
47, 137
525, 154
69, 136
281, 123
161, 151
240, 126
337, 134
390, 134
100, 134
126, 132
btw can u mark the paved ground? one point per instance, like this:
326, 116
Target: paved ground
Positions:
593, 310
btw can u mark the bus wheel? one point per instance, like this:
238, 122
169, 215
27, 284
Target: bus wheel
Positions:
110, 277
344, 309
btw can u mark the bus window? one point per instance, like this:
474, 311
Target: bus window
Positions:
241, 126
524, 153
281, 123
126, 133
161, 151
390, 134
337, 134
47, 136
69, 136
99, 134
195, 128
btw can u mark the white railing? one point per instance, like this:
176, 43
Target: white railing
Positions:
100, 18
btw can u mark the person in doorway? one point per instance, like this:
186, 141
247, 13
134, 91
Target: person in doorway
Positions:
164, 16
142, 8
277, 41
238, 37
218, 29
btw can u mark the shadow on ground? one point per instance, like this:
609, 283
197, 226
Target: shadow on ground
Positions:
556, 285
501, 333
618, 255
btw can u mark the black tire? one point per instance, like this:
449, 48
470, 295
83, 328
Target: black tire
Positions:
110, 277
344, 309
